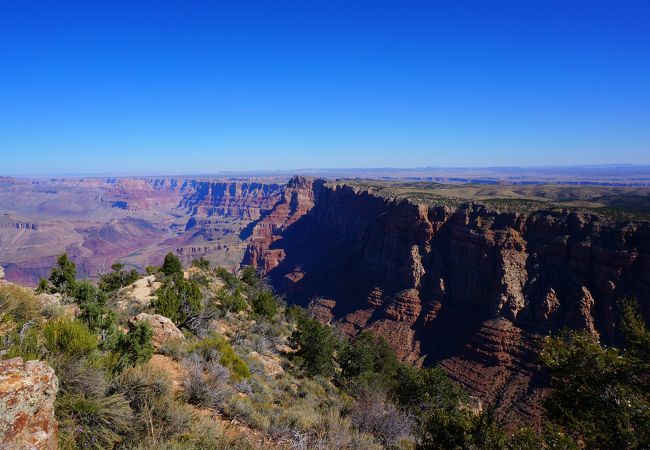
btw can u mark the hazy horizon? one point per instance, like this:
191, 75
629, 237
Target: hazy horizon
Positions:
585, 171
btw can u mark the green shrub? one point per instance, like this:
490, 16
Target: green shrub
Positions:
117, 278
250, 277
233, 302
17, 305
315, 347
637, 336
216, 344
29, 347
171, 265
201, 263
599, 393
228, 278
63, 275
415, 388
43, 286
134, 347
69, 337
265, 304
94, 312
178, 299
92, 423
368, 360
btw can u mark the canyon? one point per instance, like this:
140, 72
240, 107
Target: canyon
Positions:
133, 220
473, 287
470, 277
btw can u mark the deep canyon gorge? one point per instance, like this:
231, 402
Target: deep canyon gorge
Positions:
472, 284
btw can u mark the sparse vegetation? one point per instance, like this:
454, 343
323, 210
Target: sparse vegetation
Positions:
171, 265
201, 263
178, 299
117, 278
281, 374
601, 394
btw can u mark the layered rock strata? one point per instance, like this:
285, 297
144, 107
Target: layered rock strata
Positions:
469, 287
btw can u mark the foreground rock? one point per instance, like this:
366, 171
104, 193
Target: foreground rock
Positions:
27, 393
164, 329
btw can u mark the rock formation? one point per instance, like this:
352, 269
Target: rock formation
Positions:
163, 328
470, 287
27, 393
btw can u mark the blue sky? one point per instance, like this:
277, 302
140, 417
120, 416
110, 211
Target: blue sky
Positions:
199, 87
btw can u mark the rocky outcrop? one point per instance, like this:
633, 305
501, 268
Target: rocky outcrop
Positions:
264, 250
244, 200
27, 393
469, 287
163, 328
2, 273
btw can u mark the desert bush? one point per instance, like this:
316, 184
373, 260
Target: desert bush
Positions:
202, 434
95, 423
117, 278
79, 376
134, 347
315, 347
207, 383
157, 415
218, 349
178, 299
175, 349
244, 409
69, 337
63, 275
265, 304
375, 414
18, 305
171, 265
228, 278
201, 263
28, 343
369, 361
231, 302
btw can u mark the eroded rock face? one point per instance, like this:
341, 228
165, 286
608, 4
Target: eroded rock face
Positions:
433, 280
163, 328
27, 393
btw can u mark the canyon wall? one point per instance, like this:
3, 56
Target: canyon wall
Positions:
471, 288
98, 221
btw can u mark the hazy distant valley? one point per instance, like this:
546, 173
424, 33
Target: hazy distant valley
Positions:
134, 220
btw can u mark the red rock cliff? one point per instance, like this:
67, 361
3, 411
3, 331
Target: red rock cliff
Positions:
470, 288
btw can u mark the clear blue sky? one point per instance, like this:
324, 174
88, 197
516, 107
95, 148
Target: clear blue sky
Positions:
191, 86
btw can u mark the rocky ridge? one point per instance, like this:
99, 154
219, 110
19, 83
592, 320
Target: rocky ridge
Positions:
473, 288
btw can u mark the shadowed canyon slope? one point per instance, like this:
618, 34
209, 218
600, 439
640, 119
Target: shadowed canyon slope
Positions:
472, 286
